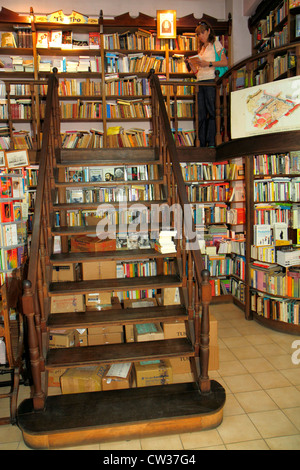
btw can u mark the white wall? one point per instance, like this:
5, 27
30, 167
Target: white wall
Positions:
214, 8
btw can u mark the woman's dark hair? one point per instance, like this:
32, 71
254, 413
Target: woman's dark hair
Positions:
203, 26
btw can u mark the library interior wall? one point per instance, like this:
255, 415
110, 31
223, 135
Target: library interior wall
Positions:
241, 45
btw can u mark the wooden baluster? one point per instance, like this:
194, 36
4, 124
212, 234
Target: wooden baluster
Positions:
29, 311
226, 116
218, 116
298, 60
34, 117
175, 117
196, 125
204, 381
197, 320
270, 60
9, 115
233, 80
190, 285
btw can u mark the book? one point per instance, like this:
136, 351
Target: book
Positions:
66, 40
43, 39
5, 187
262, 234
94, 40
55, 39
194, 62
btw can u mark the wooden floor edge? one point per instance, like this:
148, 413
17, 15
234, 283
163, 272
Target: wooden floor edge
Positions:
100, 435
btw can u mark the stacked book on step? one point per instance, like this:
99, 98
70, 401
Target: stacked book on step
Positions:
164, 243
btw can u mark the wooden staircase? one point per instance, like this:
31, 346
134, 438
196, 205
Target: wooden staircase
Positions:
79, 418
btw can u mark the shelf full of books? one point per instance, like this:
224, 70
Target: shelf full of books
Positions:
217, 194
275, 251
13, 218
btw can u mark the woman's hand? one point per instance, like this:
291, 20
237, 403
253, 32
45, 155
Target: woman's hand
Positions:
204, 63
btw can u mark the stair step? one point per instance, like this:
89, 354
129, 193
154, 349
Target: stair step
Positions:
91, 229
95, 205
134, 413
120, 352
117, 317
137, 156
61, 258
108, 285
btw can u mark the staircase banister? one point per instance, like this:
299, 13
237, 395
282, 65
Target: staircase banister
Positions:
35, 238
188, 219
254, 58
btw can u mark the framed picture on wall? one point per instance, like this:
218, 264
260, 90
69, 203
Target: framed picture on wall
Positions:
17, 158
166, 24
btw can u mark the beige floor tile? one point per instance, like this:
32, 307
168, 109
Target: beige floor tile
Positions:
162, 443
226, 355
221, 447
196, 440
271, 349
246, 352
294, 415
293, 375
255, 401
236, 342
228, 332
259, 339
242, 383
281, 362
228, 368
237, 429
285, 397
284, 443
257, 365
272, 424
232, 406
10, 433
10, 446
271, 379
258, 444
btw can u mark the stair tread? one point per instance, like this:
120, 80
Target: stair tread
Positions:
110, 408
117, 317
120, 352
108, 255
109, 156
133, 283
95, 205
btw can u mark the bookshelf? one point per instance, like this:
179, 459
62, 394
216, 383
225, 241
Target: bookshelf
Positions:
100, 61
217, 195
275, 254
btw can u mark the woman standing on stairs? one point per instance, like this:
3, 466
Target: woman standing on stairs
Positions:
207, 49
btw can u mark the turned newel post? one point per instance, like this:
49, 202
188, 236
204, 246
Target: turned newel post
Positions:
33, 344
204, 381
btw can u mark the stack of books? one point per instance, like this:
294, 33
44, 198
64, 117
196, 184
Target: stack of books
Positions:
165, 244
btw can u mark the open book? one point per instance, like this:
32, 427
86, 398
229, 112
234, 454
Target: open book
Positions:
194, 62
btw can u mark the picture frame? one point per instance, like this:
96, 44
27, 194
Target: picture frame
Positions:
17, 158
166, 24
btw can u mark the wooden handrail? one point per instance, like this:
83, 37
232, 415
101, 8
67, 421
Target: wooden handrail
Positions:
35, 239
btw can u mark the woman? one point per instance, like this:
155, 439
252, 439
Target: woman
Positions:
206, 72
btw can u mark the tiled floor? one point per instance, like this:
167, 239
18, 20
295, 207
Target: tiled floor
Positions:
262, 409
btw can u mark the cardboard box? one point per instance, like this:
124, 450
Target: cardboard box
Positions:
99, 270
183, 377
62, 273
118, 376
67, 303
171, 296
148, 332
174, 329
100, 330
153, 373
84, 243
213, 361
83, 379
54, 376
107, 338
180, 364
129, 333
63, 338
82, 336
97, 299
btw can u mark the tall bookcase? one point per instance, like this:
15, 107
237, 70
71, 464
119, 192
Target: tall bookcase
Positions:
103, 74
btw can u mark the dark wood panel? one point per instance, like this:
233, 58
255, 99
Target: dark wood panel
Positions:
149, 253
122, 352
117, 317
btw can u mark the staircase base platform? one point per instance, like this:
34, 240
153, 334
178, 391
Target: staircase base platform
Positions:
86, 418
